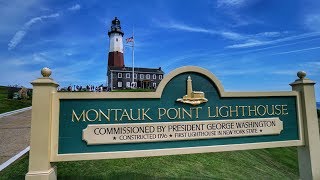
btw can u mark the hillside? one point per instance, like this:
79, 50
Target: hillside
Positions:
10, 104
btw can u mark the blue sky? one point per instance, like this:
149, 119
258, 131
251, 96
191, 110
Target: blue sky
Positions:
250, 45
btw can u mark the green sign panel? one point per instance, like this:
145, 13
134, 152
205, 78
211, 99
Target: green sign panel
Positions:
191, 112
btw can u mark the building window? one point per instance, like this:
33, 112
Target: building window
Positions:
160, 76
154, 85
134, 84
128, 75
117, 39
148, 76
154, 76
128, 84
135, 76
141, 76
119, 75
119, 84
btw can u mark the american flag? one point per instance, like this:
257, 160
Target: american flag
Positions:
130, 39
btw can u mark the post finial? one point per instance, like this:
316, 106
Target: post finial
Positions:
46, 72
301, 74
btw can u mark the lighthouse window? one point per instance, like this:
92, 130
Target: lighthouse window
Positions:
117, 39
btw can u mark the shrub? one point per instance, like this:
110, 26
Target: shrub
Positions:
11, 91
29, 93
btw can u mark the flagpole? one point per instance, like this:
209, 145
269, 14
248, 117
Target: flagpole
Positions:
133, 57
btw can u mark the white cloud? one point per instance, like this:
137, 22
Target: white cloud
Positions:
24, 68
40, 18
18, 76
250, 39
188, 28
230, 3
312, 68
312, 21
248, 43
75, 7
30, 59
230, 35
17, 38
269, 34
298, 50
283, 72
255, 42
314, 63
230, 10
14, 12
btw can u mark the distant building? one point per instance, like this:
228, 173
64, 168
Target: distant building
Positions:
119, 76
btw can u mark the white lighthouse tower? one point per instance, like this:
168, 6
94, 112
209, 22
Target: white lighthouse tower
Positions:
115, 58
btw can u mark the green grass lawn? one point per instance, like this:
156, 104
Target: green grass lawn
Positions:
277, 163
10, 104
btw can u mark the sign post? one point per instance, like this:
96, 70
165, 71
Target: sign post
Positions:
39, 158
309, 159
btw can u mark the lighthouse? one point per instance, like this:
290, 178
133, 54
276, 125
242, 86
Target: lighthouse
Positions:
189, 87
120, 76
115, 57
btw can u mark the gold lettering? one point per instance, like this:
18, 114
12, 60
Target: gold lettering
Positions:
209, 113
172, 110
285, 109
252, 110
161, 114
270, 114
131, 115
116, 113
186, 112
233, 111
226, 112
78, 118
96, 115
242, 107
125, 114
278, 110
264, 110
107, 117
217, 111
144, 114
197, 111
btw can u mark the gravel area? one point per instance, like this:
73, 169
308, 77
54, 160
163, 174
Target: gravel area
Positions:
14, 134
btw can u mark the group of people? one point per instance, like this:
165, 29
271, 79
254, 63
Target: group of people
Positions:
90, 88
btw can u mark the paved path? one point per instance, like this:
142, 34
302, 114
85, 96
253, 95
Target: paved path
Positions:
14, 134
